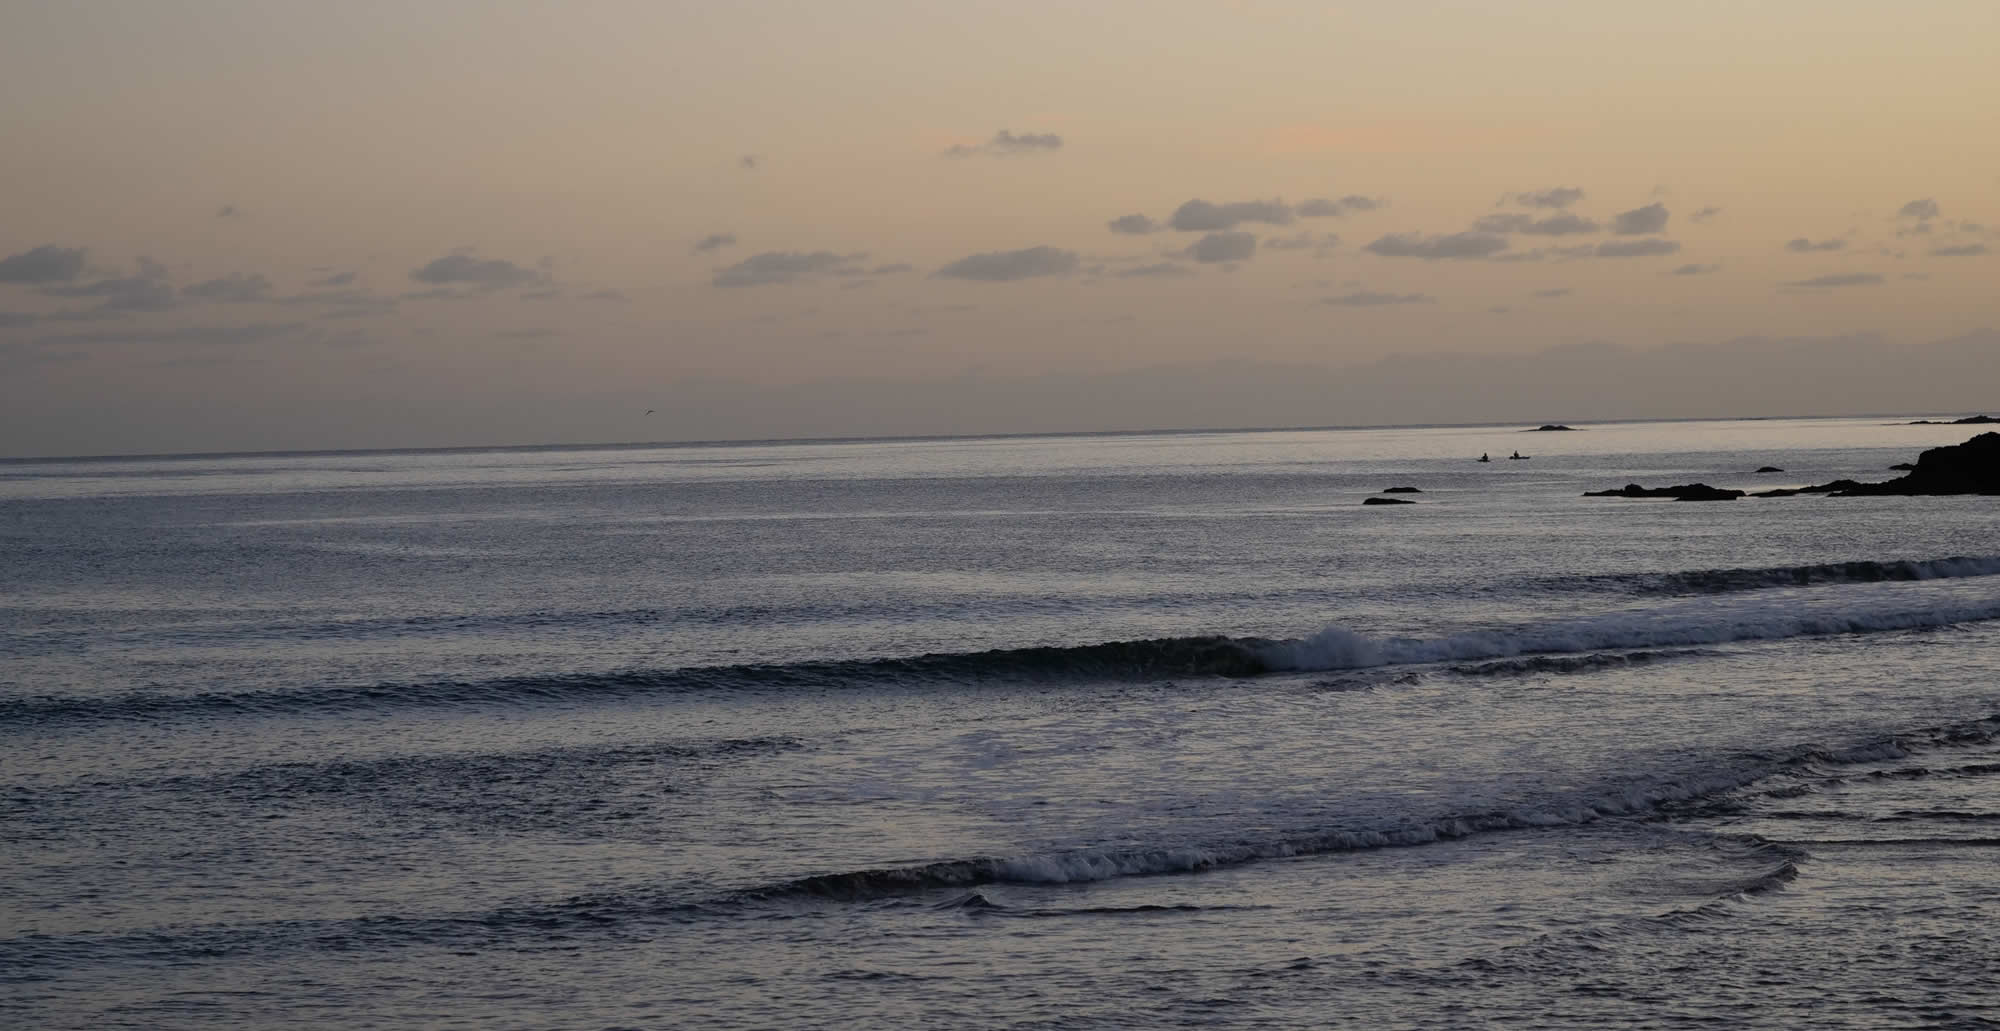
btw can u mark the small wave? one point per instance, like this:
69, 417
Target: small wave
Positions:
1724, 581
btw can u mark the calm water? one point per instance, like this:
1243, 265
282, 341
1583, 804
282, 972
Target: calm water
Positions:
1114, 731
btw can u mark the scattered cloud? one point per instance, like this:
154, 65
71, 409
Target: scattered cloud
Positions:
1559, 224
1558, 291
1133, 225
1650, 247
1967, 250
1802, 245
1373, 299
1219, 247
17, 319
526, 334
231, 290
1920, 210
337, 279
45, 264
1639, 221
1845, 279
1695, 270
227, 211
604, 295
889, 270
146, 291
772, 268
1160, 270
1553, 197
484, 273
1200, 216
1459, 246
748, 161
1323, 207
713, 242
1705, 214
1007, 266
1007, 144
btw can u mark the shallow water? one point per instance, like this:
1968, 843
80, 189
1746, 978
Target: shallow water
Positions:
1142, 730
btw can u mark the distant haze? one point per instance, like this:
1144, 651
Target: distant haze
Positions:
242, 225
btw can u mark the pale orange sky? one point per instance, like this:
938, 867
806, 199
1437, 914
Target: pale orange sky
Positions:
481, 222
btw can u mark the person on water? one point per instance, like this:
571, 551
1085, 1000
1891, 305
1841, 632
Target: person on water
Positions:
1484, 457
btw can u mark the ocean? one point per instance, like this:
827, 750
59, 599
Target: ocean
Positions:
1105, 731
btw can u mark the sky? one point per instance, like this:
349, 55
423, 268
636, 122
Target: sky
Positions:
281, 224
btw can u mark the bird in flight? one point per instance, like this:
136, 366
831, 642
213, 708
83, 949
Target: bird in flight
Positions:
649, 411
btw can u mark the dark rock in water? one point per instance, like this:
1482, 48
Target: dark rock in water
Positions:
1387, 501
1903, 467
1969, 468
1769, 469
1970, 420
1552, 427
1835, 487
1683, 492
1402, 490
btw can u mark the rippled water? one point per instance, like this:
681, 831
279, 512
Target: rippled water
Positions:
1111, 731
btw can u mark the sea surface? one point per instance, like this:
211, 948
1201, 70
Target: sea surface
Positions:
1113, 731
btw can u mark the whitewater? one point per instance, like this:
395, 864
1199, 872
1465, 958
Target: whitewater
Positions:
1139, 730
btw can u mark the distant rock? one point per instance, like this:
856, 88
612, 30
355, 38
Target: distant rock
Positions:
1835, 487
1402, 490
1903, 467
1387, 501
1683, 492
1769, 469
1970, 420
1969, 468
1552, 427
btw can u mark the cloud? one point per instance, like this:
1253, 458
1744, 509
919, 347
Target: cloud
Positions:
231, 289
1705, 214
1321, 207
1968, 250
1161, 270
1846, 279
604, 295
227, 211
1458, 246
146, 291
1372, 299
1560, 224
714, 241
1553, 197
337, 279
45, 264
1558, 291
526, 334
1133, 225
1007, 266
1639, 221
1919, 209
1651, 247
1695, 270
775, 267
17, 319
1199, 216
484, 273
1218, 247
1802, 245
1005, 144
748, 161
889, 270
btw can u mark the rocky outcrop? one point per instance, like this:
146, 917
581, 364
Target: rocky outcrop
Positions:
1683, 492
1402, 490
1387, 501
1969, 468
1769, 469
1903, 467
1835, 487
1970, 420
1552, 427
